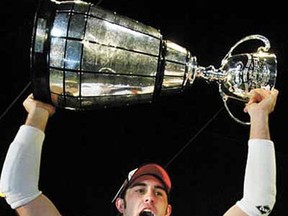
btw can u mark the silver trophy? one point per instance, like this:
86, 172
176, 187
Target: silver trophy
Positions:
84, 57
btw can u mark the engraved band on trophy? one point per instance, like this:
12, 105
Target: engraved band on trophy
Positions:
84, 57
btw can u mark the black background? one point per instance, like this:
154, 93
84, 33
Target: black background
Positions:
87, 155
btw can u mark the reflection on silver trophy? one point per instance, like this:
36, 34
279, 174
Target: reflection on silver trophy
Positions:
84, 57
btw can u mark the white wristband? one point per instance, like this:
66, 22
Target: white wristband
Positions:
20, 172
260, 178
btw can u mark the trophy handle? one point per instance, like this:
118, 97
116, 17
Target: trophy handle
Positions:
250, 37
225, 99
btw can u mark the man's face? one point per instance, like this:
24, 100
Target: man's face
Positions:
146, 194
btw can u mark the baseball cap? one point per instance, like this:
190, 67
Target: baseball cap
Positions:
146, 169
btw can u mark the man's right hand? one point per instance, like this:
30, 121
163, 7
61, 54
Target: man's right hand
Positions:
38, 112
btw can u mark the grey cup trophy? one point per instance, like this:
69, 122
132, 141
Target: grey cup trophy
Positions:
84, 57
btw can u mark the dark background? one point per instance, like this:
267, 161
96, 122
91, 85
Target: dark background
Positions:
87, 155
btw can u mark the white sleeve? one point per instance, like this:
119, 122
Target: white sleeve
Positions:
260, 179
20, 172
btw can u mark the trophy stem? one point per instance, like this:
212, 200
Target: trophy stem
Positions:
210, 73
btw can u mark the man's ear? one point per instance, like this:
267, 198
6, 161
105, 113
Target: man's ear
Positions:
120, 205
168, 210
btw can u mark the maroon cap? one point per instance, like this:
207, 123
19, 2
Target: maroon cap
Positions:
146, 169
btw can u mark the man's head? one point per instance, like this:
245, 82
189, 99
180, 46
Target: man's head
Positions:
146, 189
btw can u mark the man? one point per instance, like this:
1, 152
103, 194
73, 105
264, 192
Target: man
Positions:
146, 190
